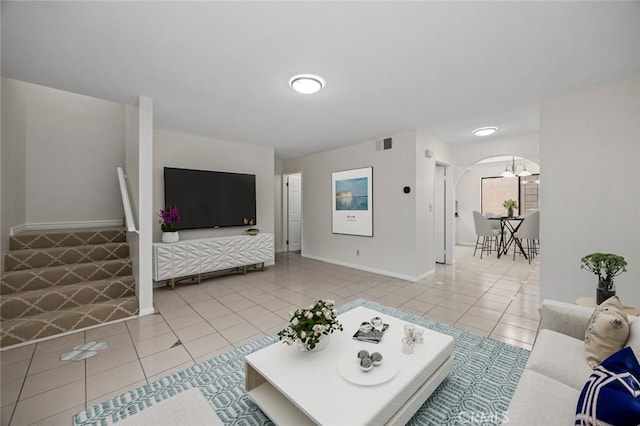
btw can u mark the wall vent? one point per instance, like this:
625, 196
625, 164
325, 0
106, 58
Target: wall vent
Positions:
384, 144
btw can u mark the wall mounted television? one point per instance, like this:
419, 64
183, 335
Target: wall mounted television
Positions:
210, 199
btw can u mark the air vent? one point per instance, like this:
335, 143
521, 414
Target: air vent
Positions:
384, 144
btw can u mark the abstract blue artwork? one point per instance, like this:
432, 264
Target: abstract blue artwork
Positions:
352, 194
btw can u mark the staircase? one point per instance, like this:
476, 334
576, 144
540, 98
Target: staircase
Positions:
63, 280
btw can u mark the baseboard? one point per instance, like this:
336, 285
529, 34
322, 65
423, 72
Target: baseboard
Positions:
466, 244
17, 229
63, 225
147, 311
368, 269
426, 274
158, 284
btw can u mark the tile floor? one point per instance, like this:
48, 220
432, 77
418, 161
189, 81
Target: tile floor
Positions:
491, 297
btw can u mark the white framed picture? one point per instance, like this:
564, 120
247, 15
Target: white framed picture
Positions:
352, 192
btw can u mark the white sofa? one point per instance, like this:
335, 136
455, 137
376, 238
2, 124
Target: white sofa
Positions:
548, 391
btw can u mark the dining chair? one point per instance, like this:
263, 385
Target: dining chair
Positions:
495, 224
529, 232
485, 233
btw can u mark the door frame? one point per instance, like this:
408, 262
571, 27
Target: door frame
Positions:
285, 212
440, 214
449, 196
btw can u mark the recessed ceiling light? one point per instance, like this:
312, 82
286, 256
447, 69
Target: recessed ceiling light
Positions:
307, 83
485, 131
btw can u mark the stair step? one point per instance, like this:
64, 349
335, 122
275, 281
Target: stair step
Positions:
40, 278
34, 302
67, 237
20, 260
47, 324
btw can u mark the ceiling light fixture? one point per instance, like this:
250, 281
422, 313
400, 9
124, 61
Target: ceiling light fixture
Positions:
485, 131
510, 170
306, 83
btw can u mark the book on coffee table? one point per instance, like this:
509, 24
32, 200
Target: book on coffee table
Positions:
373, 336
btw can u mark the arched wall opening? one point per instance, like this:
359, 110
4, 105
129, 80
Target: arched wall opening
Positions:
469, 190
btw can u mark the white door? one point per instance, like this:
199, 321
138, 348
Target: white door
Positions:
439, 214
294, 212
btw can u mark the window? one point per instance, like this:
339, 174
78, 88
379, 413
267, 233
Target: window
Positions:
495, 190
529, 198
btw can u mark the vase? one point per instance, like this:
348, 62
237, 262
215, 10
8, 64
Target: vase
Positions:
170, 237
322, 344
510, 212
605, 290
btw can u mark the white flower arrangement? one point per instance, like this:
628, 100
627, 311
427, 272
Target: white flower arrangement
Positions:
308, 325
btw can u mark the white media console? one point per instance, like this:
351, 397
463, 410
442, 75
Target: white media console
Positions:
196, 257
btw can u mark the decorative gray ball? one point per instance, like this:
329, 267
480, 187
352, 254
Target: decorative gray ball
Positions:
366, 364
363, 354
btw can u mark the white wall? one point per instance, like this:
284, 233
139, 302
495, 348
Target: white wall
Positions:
392, 249
131, 170
526, 146
74, 144
144, 288
14, 160
425, 201
132, 157
175, 149
590, 156
468, 195
62, 150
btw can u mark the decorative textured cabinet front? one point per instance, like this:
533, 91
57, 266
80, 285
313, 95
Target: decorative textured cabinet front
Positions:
192, 257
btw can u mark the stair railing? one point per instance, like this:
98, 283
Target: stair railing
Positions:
128, 212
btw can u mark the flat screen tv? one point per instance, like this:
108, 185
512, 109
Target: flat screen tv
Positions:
208, 199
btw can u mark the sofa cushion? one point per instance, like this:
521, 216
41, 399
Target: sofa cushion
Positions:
612, 392
540, 400
559, 357
565, 318
607, 332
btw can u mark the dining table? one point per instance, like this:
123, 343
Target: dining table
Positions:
508, 227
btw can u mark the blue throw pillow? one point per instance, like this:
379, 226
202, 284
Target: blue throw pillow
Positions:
612, 394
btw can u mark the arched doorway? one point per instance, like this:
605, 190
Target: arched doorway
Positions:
474, 183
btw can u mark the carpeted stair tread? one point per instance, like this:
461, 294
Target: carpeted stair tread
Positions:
25, 329
20, 260
40, 278
34, 302
67, 237
61, 280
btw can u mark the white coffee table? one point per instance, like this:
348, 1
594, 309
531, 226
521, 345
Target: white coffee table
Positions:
298, 388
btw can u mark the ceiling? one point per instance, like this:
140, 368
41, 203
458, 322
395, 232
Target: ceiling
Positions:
221, 69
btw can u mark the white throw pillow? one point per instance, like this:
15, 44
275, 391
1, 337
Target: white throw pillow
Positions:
607, 332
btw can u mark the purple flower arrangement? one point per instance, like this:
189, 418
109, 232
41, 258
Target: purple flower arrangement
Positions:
169, 219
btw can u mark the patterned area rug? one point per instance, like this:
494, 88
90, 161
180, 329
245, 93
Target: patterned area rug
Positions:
477, 391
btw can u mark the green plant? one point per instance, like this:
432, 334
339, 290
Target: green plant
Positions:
308, 325
510, 204
606, 266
